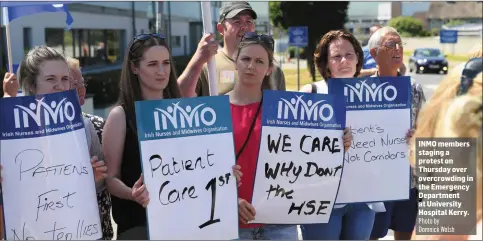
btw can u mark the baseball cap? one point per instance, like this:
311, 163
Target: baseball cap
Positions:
231, 9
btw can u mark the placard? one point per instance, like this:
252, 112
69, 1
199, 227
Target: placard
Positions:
379, 116
300, 159
187, 155
48, 181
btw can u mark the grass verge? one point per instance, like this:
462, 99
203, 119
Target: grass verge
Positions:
305, 78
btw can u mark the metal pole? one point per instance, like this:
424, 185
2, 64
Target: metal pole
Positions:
133, 13
298, 68
158, 17
169, 24
268, 25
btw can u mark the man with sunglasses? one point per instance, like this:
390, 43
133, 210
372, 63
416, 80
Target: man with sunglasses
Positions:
236, 19
386, 48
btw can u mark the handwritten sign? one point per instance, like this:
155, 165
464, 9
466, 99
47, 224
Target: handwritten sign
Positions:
301, 157
378, 113
187, 155
48, 183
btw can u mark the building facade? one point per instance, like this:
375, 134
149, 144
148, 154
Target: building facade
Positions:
100, 34
102, 30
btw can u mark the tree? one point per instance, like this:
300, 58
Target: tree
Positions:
319, 17
407, 26
454, 22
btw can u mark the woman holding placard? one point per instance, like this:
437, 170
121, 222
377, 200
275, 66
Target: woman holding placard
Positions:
45, 71
254, 62
339, 55
147, 74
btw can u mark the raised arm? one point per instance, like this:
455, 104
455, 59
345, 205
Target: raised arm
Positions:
187, 81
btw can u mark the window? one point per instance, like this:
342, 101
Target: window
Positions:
54, 38
175, 42
92, 47
27, 39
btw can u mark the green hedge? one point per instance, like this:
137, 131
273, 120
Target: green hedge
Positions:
292, 52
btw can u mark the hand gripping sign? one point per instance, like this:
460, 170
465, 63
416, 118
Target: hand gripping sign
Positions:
187, 155
48, 182
376, 167
300, 159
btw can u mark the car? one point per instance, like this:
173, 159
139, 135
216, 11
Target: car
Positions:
428, 60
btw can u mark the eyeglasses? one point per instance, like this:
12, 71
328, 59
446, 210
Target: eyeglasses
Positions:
393, 45
264, 39
146, 36
76, 83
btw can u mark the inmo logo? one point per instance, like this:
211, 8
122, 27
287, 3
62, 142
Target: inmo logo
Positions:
55, 112
180, 117
301, 110
374, 92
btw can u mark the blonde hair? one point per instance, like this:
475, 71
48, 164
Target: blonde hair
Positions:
449, 115
476, 51
73, 62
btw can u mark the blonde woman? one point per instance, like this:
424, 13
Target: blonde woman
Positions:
455, 110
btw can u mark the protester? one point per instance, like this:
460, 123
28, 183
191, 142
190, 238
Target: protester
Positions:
236, 18
45, 71
147, 74
103, 198
455, 110
254, 62
339, 55
369, 67
386, 48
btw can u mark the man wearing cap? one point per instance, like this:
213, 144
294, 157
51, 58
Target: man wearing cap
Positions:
236, 18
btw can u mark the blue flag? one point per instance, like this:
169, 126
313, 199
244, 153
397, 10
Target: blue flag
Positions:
19, 9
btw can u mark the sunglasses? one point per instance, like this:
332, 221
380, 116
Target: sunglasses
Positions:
146, 36
264, 39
